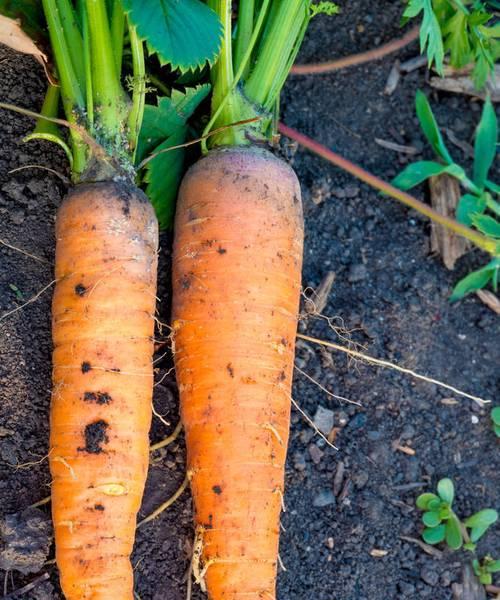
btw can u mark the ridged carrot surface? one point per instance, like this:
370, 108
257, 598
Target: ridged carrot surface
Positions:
236, 286
102, 325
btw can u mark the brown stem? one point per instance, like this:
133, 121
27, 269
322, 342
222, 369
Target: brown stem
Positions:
357, 59
476, 238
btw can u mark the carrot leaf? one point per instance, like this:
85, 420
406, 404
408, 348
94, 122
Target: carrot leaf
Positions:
183, 34
163, 127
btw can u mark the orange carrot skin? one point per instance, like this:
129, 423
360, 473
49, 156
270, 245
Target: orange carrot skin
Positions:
236, 286
102, 327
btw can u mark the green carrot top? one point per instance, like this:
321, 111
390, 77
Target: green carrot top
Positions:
256, 56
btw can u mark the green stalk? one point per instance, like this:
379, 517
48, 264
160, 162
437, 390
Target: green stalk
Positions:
222, 73
244, 32
274, 55
73, 38
107, 92
117, 32
243, 109
48, 130
139, 89
88, 69
71, 90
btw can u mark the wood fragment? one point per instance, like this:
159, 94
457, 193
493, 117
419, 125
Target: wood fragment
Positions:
490, 299
393, 79
413, 64
427, 548
470, 588
449, 401
339, 478
459, 81
378, 553
397, 147
404, 449
445, 194
319, 298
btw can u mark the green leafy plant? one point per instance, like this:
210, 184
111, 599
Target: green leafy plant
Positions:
485, 568
464, 30
478, 207
495, 418
443, 525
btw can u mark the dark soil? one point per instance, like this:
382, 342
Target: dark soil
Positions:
389, 293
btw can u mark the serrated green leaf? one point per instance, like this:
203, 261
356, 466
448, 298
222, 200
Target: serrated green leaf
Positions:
430, 31
493, 187
184, 34
495, 415
431, 519
472, 282
453, 533
493, 205
423, 500
485, 579
470, 546
434, 535
487, 225
163, 176
163, 127
457, 40
486, 144
468, 206
446, 490
430, 127
161, 121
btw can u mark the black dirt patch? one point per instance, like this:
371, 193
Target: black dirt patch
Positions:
221, 250
185, 281
95, 436
80, 289
217, 490
230, 369
99, 507
86, 366
97, 397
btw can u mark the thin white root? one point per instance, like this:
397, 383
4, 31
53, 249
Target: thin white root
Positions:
41, 502
7, 245
324, 389
280, 562
166, 504
197, 571
30, 301
312, 424
389, 365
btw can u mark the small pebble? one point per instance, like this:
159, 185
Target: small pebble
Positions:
324, 498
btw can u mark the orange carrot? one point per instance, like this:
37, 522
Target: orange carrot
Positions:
236, 285
103, 321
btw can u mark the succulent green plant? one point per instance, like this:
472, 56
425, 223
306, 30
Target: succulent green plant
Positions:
443, 525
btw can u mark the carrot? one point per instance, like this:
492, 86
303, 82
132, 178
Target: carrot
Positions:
102, 313
236, 279
103, 305
236, 285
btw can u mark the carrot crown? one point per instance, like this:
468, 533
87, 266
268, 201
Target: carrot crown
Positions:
258, 50
87, 39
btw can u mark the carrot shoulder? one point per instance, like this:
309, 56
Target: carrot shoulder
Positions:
236, 285
102, 323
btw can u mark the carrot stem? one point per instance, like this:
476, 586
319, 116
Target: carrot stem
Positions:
476, 238
139, 89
